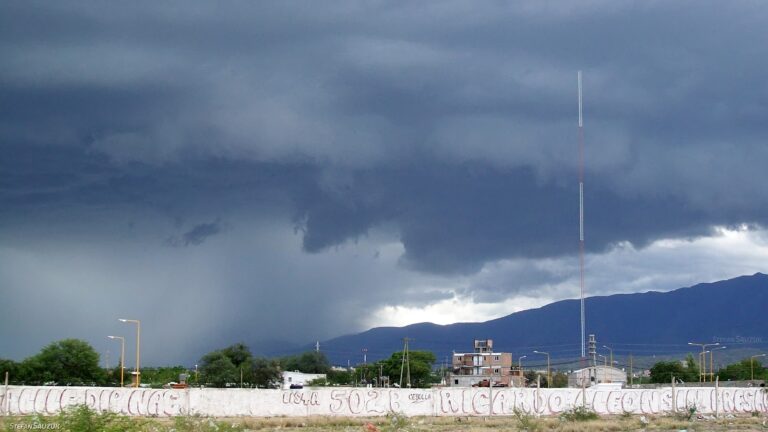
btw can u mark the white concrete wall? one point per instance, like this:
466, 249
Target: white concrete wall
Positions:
375, 402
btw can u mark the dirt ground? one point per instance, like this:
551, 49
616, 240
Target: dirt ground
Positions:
756, 422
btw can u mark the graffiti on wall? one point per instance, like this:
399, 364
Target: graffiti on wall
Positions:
52, 400
377, 402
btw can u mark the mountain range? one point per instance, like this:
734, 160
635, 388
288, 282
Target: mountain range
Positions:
731, 312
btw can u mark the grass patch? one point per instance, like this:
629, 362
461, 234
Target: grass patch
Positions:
397, 421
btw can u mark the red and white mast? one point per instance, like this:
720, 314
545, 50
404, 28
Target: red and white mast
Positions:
581, 218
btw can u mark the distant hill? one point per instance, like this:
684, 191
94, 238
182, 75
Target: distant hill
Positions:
653, 323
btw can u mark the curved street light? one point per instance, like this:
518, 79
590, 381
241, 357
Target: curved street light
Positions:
549, 374
122, 356
138, 338
703, 372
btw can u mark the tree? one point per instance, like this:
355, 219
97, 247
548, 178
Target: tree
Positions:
9, 366
230, 365
266, 373
314, 362
308, 362
742, 370
238, 354
559, 380
65, 362
339, 377
692, 371
241, 357
235, 364
420, 365
217, 369
157, 376
531, 377
366, 373
663, 371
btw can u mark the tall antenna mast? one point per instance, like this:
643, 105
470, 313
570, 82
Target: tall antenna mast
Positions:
581, 217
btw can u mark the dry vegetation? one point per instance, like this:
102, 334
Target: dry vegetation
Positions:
615, 423
391, 423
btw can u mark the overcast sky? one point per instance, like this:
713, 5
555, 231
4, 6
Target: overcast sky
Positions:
263, 171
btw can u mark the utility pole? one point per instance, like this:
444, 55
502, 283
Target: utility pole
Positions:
631, 372
365, 356
593, 354
317, 346
752, 365
611, 350
406, 361
445, 370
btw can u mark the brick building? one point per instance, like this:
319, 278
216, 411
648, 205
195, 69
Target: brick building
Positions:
483, 367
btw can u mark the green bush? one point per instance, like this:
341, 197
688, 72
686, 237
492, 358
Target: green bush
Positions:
580, 413
525, 421
80, 418
688, 414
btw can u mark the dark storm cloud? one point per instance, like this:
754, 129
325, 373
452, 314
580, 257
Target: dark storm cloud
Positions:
197, 235
455, 218
450, 126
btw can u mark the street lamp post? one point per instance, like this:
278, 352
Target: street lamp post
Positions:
549, 374
752, 364
611, 350
138, 345
122, 356
702, 372
605, 359
520, 368
703, 359
712, 363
